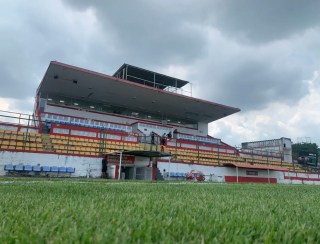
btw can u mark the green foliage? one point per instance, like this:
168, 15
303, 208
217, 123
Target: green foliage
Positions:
309, 147
99, 211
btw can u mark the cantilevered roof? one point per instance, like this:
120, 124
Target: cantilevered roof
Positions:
70, 81
147, 77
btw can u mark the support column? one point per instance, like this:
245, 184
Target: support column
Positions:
237, 175
120, 164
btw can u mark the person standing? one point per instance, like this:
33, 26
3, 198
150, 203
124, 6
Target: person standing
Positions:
163, 139
104, 168
152, 137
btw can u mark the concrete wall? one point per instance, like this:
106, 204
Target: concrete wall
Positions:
91, 167
202, 129
218, 174
84, 166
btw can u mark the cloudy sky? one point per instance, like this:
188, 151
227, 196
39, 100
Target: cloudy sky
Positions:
260, 56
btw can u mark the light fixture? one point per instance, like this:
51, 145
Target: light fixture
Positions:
179, 122
76, 104
61, 101
49, 99
91, 106
168, 120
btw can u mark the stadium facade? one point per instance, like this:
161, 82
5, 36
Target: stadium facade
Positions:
146, 125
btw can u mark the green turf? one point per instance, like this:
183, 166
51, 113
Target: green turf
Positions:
99, 211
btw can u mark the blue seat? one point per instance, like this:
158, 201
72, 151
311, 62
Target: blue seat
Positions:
28, 168
54, 169
62, 169
46, 168
8, 167
18, 167
36, 168
70, 169
172, 174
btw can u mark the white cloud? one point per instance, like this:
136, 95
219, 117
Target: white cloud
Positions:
277, 120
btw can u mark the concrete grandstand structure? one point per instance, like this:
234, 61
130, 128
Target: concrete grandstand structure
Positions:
80, 116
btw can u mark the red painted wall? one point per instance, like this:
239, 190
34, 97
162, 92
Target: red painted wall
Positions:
249, 179
116, 173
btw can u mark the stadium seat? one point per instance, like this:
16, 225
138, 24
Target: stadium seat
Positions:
36, 168
54, 169
28, 168
46, 168
70, 169
62, 169
8, 167
19, 167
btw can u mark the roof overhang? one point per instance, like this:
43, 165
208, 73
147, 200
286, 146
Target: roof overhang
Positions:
142, 153
255, 166
70, 81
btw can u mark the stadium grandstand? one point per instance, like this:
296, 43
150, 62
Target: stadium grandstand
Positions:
145, 124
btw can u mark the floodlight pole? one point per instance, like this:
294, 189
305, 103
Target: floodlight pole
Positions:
120, 163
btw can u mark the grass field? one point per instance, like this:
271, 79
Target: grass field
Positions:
99, 211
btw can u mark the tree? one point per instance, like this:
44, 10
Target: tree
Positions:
300, 148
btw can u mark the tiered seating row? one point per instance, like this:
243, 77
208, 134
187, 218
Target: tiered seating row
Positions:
263, 161
14, 140
92, 147
213, 158
37, 169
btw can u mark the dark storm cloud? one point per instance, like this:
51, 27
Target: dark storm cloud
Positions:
161, 33
263, 21
149, 33
253, 84
34, 35
249, 20
215, 41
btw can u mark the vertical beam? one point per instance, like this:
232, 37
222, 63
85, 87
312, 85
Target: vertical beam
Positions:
120, 163
169, 168
268, 166
134, 172
237, 174
126, 72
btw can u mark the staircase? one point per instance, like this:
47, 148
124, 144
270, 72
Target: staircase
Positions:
47, 145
